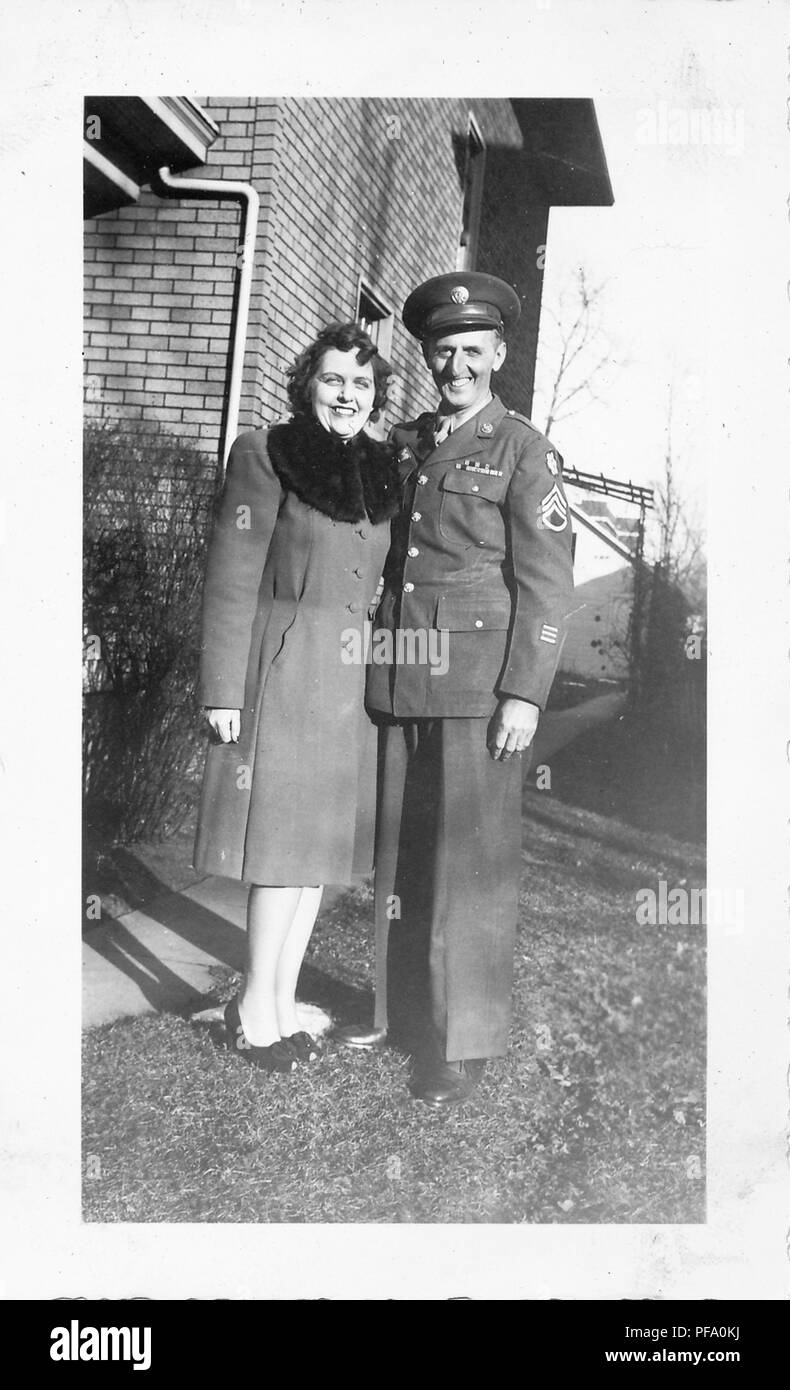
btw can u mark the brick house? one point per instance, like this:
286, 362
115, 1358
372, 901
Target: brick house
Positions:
360, 199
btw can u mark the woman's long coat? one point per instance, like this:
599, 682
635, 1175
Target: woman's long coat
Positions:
294, 563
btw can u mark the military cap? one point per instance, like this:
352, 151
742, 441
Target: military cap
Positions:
468, 299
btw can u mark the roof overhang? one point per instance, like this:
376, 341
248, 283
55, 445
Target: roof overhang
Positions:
562, 139
128, 138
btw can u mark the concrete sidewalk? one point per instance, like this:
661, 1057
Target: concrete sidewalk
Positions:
161, 955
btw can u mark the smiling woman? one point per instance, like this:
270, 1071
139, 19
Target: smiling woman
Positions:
342, 393
342, 359
295, 559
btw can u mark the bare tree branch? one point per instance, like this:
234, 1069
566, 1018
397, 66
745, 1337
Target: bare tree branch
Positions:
577, 330
681, 552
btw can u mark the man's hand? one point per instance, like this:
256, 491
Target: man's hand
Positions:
512, 728
226, 723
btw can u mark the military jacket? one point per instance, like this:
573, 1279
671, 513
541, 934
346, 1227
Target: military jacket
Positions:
478, 582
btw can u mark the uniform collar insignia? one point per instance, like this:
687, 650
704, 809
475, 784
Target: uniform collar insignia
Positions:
489, 417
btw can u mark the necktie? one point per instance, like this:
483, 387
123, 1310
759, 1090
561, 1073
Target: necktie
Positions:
444, 429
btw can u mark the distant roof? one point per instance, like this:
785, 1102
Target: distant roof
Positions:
564, 141
624, 527
595, 508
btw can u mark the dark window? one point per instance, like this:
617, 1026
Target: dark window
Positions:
375, 317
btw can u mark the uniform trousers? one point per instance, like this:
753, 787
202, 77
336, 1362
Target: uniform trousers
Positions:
448, 854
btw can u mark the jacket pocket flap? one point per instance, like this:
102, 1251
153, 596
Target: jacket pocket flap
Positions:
470, 483
470, 614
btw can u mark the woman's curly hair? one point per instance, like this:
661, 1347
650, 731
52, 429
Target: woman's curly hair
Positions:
345, 337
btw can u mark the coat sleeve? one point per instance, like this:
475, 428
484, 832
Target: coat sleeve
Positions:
541, 573
236, 558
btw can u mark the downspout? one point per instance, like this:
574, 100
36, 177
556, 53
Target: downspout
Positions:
166, 185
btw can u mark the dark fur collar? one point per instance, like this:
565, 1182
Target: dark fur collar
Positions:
344, 481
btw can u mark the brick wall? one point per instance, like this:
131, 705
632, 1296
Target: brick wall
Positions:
384, 205
159, 295
349, 188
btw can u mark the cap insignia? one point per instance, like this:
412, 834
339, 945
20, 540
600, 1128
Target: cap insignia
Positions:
459, 295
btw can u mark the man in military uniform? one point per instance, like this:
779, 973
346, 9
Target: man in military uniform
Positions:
480, 561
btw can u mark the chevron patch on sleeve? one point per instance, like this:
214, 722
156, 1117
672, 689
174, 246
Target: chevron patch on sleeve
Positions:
553, 510
549, 633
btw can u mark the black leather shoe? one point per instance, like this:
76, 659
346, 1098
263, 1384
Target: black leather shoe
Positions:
364, 1039
304, 1047
446, 1083
279, 1056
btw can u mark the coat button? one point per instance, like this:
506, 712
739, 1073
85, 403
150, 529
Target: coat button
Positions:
358, 572
475, 487
407, 588
353, 607
478, 622
422, 480
412, 551
416, 516
363, 533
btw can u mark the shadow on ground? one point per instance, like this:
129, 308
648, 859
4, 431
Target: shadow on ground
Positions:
173, 927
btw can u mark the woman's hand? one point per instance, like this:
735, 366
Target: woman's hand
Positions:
226, 723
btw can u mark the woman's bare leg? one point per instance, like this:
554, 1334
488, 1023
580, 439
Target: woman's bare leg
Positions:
291, 957
270, 915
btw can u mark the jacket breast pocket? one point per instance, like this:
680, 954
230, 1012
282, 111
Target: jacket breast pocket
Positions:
469, 511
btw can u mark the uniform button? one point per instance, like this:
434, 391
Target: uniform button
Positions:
422, 480
478, 622
412, 551
416, 516
353, 607
358, 572
475, 487
407, 588
361, 532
